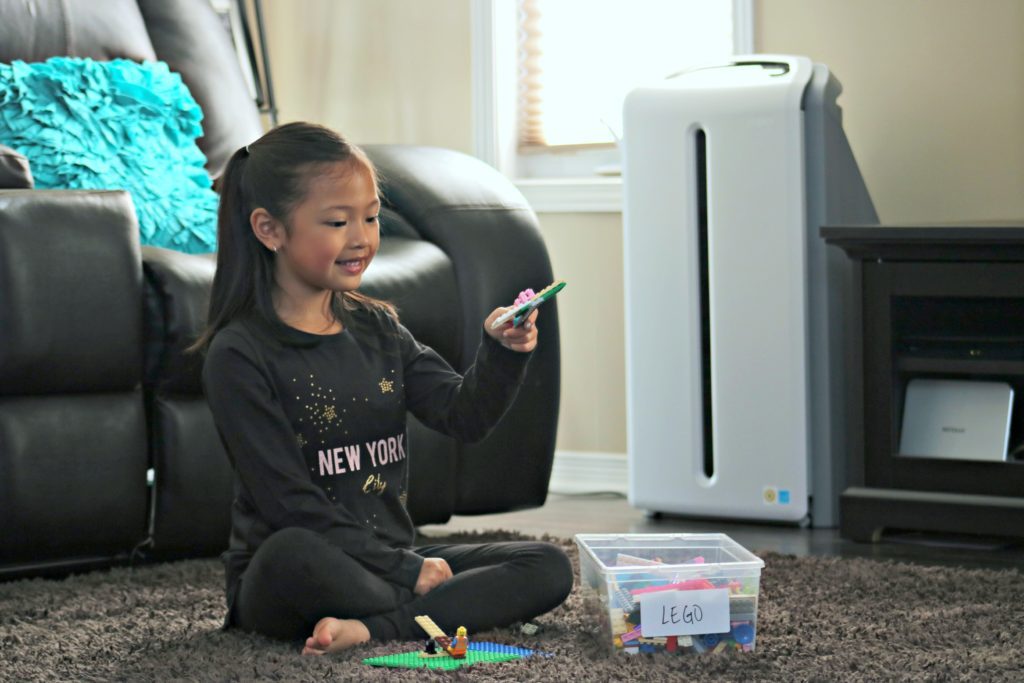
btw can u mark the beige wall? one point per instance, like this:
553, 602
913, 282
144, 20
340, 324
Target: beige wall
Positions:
586, 252
378, 71
933, 97
933, 104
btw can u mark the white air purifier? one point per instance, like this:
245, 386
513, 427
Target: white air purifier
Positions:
734, 304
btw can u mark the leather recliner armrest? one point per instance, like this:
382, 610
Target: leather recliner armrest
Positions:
70, 310
15, 173
176, 300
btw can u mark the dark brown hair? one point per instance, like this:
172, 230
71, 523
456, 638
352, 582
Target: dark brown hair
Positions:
272, 173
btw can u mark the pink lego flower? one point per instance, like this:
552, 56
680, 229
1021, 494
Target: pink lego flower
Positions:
524, 296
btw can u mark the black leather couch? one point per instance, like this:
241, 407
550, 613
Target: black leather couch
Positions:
107, 447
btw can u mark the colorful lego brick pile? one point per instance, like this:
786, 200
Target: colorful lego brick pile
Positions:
624, 611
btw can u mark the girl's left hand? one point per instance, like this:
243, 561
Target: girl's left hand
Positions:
522, 339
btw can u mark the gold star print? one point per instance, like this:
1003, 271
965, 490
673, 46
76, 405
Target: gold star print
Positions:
320, 408
302, 440
386, 386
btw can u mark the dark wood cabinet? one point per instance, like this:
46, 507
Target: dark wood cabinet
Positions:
947, 302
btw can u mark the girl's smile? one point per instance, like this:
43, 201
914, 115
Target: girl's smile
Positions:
353, 267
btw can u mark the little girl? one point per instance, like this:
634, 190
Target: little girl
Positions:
309, 382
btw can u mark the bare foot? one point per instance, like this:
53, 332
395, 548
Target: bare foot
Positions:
334, 635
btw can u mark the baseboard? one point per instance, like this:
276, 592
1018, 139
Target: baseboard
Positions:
588, 472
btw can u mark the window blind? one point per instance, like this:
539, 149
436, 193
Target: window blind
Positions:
578, 59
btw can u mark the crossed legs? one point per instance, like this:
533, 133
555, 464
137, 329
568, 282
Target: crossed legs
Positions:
298, 585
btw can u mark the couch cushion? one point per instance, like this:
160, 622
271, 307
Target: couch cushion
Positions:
72, 476
193, 479
70, 292
115, 125
35, 30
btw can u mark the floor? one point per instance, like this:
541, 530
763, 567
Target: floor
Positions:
565, 515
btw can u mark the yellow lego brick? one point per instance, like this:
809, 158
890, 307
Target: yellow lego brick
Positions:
428, 625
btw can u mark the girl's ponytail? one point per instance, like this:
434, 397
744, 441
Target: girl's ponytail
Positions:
237, 267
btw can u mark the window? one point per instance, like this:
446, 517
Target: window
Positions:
550, 77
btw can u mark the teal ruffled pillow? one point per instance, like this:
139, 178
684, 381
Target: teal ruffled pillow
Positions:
84, 124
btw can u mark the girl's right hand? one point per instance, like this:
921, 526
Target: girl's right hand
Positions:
433, 573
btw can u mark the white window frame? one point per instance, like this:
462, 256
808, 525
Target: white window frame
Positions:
494, 84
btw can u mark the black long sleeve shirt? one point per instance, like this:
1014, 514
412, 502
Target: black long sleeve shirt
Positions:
315, 427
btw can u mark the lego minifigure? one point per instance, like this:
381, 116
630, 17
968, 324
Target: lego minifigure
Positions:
458, 647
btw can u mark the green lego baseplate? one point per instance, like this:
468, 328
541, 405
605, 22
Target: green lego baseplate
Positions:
413, 660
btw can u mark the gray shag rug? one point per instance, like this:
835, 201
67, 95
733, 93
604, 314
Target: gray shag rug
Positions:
825, 619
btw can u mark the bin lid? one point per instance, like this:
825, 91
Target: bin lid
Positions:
728, 554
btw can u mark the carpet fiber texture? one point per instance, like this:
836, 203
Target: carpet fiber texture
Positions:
819, 619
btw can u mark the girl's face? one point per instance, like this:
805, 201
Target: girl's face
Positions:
334, 230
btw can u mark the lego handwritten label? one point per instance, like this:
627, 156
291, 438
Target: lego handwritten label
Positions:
684, 613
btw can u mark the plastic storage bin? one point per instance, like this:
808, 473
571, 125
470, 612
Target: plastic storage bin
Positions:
686, 593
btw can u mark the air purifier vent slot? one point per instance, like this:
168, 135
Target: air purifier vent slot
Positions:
705, 301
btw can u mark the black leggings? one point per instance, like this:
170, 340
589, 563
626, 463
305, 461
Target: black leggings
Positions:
296, 578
